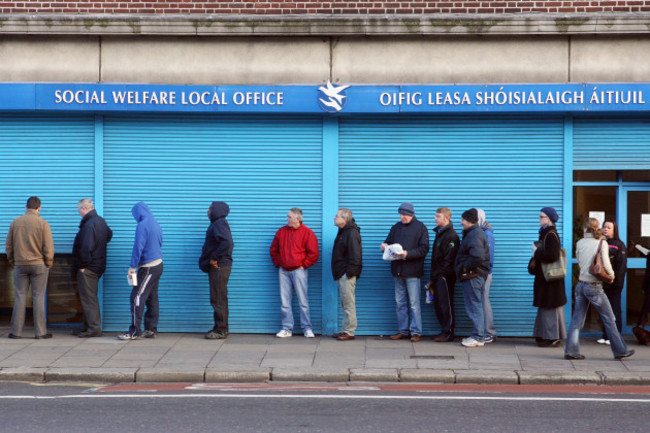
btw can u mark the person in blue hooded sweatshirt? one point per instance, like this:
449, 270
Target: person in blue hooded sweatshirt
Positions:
216, 261
146, 262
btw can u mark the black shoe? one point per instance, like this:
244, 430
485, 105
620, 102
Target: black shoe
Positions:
625, 355
15, 337
548, 343
89, 334
44, 336
573, 357
148, 334
77, 331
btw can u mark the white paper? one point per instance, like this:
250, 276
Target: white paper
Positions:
600, 216
643, 250
645, 224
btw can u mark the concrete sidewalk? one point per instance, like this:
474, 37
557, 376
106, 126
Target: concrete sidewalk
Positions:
259, 358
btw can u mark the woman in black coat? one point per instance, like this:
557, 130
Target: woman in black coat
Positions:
618, 259
548, 296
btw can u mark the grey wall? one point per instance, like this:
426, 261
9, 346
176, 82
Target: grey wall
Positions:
297, 60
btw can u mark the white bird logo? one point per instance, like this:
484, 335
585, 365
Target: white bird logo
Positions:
335, 100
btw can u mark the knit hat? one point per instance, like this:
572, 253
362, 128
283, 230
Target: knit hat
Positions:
406, 208
471, 216
550, 213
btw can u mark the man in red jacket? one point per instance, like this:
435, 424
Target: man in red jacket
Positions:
294, 249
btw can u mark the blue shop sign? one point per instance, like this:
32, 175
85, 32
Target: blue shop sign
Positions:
328, 98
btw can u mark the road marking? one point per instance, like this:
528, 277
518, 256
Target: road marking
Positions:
330, 397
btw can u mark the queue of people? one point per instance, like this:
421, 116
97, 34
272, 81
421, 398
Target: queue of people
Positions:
294, 250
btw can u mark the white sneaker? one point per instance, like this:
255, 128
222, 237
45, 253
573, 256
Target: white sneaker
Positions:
603, 341
283, 334
471, 342
127, 336
309, 333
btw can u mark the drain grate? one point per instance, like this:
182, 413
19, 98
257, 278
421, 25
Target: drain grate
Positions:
432, 357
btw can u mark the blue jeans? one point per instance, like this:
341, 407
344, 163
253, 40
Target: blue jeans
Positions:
297, 280
407, 298
487, 308
593, 293
474, 293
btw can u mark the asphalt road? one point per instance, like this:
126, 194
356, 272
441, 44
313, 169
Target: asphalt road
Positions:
139, 408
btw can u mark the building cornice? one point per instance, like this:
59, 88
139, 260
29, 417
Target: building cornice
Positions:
319, 25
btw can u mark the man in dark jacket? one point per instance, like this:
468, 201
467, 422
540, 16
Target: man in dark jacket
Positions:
472, 267
413, 236
443, 276
89, 255
216, 261
346, 268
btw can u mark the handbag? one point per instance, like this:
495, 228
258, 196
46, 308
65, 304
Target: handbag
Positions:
555, 270
597, 269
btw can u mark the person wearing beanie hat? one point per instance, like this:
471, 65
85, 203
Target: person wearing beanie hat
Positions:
548, 296
472, 268
406, 208
471, 216
550, 213
413, 236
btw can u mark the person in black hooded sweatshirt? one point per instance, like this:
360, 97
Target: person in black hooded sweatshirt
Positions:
216, 261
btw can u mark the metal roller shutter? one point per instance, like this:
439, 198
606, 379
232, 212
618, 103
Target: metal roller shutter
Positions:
595, 137
510, 166
260, 165
51, 157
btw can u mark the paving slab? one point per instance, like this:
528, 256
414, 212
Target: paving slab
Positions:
22, 374
427, 375
100, 375
310, 374
625, 378
238, 374
486, 376
164, 374
552, 377
374, 375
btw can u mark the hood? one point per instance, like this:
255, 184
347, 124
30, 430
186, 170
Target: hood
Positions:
140, 211
218, 209
481, 217
352, 224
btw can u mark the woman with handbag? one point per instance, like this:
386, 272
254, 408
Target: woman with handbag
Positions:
618, 259
548, 296
592, 253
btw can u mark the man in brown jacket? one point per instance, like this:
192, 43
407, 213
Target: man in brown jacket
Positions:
30, 249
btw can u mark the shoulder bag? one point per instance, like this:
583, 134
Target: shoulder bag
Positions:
597, 269
555, 270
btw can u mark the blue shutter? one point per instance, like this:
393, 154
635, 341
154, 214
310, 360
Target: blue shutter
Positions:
596, 137
509, 166
52, 157
261, 166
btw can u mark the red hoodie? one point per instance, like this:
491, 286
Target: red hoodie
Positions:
293, 248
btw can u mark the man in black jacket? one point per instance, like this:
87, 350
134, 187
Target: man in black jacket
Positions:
346, 268
472, 267
89, 255
443, 276
413, 236
216, 261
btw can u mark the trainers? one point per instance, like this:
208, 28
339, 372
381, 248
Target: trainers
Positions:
489, 339
148, 334
215, 335
309, 334
603, 341
283, 334
472, 342
127, 336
